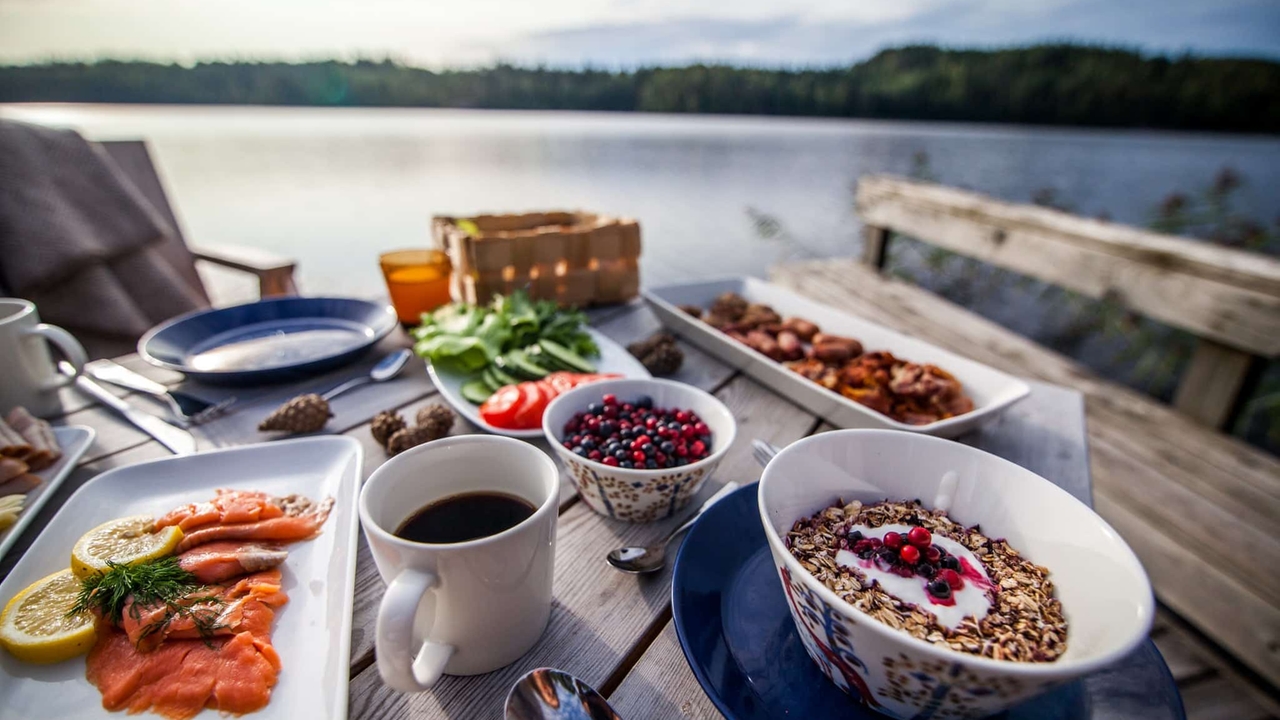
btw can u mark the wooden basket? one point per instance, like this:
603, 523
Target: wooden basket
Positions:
574, 258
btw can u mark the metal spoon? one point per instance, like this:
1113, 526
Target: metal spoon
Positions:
550, 694
648, 559
387, 368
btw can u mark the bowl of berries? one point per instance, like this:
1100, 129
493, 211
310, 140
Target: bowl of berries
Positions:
639, 449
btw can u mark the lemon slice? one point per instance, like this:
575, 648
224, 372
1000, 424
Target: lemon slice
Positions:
34, 626
126, 541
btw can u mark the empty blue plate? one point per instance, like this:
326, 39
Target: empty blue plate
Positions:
274, 340
738, 637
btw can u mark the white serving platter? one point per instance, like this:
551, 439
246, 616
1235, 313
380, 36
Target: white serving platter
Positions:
991, 390
73, 440
312, 632
613, 359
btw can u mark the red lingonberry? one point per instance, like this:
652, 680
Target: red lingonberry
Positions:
952, 578
931, 554
638, 456
920, 537
892, 540
910, 554
610, 460
701, 428
610, 399
682, 416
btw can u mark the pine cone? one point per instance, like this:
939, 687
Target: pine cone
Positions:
664, 360
409, 437
436, 420
305, 413
385, 424
641, 348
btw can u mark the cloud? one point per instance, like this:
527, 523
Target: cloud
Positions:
614, 32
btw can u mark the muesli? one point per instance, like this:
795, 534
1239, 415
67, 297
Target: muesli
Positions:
921, 573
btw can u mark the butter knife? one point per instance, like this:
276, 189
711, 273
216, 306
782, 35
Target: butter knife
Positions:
179, 441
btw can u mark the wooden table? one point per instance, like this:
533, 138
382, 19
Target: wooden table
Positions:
612, 630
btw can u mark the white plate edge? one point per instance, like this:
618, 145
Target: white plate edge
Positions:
70, 458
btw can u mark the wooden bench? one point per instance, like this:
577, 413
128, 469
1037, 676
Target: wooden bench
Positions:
1200, 508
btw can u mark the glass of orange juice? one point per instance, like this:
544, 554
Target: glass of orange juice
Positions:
418, 281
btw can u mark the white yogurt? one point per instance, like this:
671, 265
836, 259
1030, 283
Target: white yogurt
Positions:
969, 601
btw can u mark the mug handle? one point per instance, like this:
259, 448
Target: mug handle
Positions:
69, 346
399, 666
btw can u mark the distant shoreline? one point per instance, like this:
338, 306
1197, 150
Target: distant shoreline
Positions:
1048, 85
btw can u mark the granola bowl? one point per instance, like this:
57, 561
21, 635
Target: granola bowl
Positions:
1065, 594
640, 495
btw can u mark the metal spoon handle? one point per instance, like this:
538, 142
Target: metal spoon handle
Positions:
719, 495
354, 382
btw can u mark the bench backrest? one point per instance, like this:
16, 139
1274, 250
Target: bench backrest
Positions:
1229, 298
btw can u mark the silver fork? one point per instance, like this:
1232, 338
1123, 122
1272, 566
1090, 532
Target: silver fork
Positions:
187, 409
763, 452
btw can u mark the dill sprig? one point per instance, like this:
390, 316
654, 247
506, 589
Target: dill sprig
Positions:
158, 581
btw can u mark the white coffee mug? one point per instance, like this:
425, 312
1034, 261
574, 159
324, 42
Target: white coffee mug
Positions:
469, 607
28, 376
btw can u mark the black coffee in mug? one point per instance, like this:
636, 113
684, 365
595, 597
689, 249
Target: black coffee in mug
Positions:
468, 516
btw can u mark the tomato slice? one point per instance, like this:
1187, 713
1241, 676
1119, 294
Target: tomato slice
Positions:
584, 378
500, 409
561, 382
534, 398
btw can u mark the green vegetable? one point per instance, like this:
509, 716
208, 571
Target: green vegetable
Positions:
475, 391
145, 585
469, 338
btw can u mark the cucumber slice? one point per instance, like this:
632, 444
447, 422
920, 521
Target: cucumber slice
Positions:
518, 362
475, 391
546, 359
502, 377
565, 356
489, 380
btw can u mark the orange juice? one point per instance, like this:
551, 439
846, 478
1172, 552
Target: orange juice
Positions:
418, 281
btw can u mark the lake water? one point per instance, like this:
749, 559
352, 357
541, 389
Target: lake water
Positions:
334, 187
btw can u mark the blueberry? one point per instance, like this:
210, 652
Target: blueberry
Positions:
644, 401
588, 443
667, 447
940, 589
855, 536
608, 427
650, 449
950, 562
866, 554
651, 463
579, 450
595, 408
621, 454
625, 464
926, 570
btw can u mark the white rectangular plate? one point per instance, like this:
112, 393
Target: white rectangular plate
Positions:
613, 359
312, 632
73, 440
992, 391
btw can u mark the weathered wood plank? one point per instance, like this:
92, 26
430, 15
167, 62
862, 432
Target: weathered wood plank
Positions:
875, 246
661, 685
1219, 699
598, 614
1184, 662
1227, 295
1201, 592
1210, 386
114, 433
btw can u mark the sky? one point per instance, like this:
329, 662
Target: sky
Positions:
613, 33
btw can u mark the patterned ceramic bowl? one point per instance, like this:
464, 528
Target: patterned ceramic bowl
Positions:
639, 495
1104, 592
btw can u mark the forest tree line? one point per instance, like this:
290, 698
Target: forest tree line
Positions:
1046, 84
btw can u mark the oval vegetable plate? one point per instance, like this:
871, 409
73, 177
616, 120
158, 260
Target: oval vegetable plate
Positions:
521, 383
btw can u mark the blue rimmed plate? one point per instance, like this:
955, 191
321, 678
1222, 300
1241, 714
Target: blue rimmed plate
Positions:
733, 624
274, 340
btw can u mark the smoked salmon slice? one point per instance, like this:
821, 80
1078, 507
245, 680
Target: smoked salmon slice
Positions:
217, 561
286, 528
247, 605
228, 506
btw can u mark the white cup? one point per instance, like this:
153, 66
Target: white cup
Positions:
28, 376
460, 608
